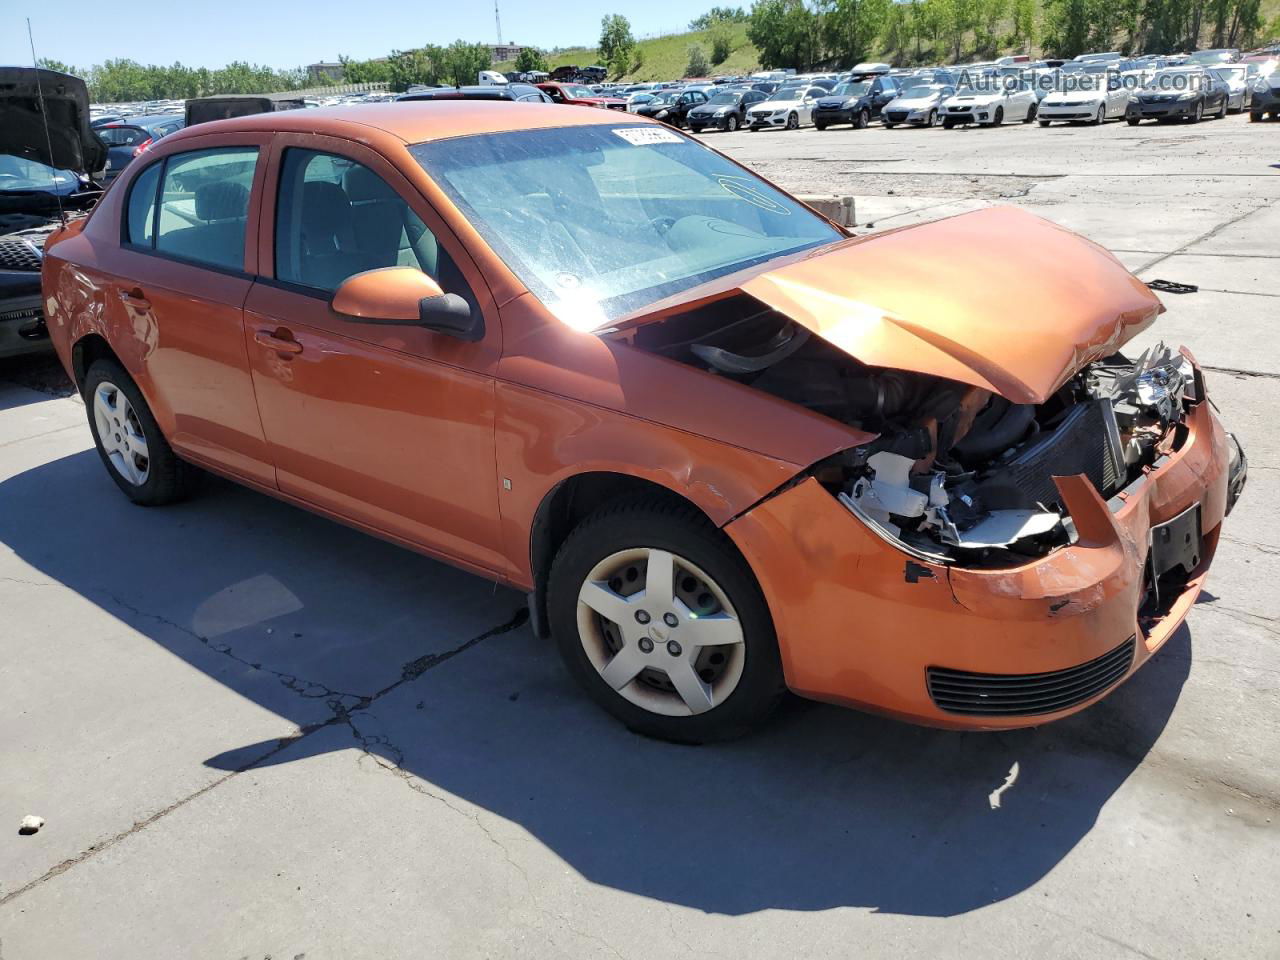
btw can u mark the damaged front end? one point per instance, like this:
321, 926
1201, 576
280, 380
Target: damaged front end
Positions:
956, 473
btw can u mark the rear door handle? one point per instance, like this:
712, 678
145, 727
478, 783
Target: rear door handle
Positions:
135, 298
278, 340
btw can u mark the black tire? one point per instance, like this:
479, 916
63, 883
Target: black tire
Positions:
793, 121
694, 129
1199, 114
731, 124
888, 125
1255, 116
1031, 113
659, 524
1100, 116
862, 120
998, 119
819, 126
948, 123
168, 479
1222, 111
1045, 123
1132, 121
933, 119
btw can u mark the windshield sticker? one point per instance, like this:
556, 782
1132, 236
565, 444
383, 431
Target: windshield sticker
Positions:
644, 136
744, 189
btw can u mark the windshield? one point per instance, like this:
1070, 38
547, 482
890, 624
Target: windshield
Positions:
855, 88
1230, 73
576, 92
786, 93
19, 173
663, 98
726, 98
123, 136
919, 93
601, 221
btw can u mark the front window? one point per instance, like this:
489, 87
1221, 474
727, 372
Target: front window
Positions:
601, 221
857, 88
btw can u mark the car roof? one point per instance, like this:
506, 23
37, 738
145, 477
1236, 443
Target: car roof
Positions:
414, 121
148, 121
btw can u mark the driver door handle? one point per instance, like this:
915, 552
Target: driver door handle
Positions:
277, 340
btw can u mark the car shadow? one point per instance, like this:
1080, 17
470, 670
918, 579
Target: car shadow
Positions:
366, 646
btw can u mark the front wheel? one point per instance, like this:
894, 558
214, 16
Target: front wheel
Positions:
999, 118
731, 124
933, 118
129, 441
1132, 121
694, 129
888, 125
948, 124
1031, 113
1255, 117
1100, 116
662, 622
1045, 123
819, 126
863, 120
793, 121
1222, 111
1199, 114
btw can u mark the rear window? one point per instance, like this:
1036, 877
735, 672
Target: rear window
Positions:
123, 136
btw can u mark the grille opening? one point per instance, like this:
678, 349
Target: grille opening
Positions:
1027, 694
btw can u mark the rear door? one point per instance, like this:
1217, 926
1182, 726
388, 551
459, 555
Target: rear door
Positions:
391, 427
180, 278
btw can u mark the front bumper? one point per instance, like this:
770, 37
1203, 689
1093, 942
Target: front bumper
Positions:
862, 623
1160, 109
1065, 111
907, 116
831, 115
756, 122
1266, 102
969, 115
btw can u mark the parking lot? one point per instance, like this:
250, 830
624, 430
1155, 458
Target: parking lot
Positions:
254, 733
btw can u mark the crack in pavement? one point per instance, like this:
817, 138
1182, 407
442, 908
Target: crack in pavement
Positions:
1237, 372
340, 714
1231, 222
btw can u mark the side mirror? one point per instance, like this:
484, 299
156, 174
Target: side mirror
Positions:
405, 296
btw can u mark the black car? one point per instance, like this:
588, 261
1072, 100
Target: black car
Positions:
672, 106
129, 138
857, 101
224, 106
519, 92
45, 172
1266, 97
1179, 94
726, 110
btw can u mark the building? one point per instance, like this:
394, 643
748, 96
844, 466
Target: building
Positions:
320, 73
501, 52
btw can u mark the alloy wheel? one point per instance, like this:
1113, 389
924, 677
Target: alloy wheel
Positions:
793, 122
731, 124
660, 632
120, 433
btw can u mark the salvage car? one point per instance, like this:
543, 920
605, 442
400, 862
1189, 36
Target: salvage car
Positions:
576, 95
726, 447
990, 101
726, 110
1265, 96
917, 105
130, 138
1088, 96
857, 101
789, 108
46, 174
1178, 93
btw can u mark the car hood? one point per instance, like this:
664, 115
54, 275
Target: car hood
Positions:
1072, 96
975, 98
902, 103
772, 105
66, 142
998, 298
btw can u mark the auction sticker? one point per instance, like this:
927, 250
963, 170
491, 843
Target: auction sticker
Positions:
643, 136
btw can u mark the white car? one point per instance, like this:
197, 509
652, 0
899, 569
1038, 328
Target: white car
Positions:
990, 101
1091, 97
1236, 77
786, 110
919, 104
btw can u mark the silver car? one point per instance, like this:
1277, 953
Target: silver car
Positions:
919, 104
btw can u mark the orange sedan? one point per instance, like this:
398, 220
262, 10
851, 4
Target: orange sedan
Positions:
727, 448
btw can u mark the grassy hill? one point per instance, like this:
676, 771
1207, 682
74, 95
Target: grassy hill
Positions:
665, 58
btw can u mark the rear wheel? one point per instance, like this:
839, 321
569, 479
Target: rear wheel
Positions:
1100, 116
1255, 116
662, 622
129, 441
1199, 114
1222, 111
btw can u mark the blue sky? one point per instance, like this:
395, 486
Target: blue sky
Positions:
212, 32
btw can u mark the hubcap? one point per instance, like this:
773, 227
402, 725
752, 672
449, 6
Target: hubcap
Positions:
120, 433
684, 656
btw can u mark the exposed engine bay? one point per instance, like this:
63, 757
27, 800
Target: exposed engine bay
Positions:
956, 473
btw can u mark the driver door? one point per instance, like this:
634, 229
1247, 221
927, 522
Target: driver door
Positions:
390, 427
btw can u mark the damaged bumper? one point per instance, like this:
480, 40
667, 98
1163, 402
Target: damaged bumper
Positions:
861, 622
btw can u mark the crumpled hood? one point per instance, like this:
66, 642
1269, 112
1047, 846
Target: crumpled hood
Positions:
998, 298
69, 143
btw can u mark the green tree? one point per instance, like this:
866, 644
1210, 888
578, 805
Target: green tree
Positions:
616, 43
530, 59
785, 32
697, 65
852, 26
1023, 16
1067, 27
721, 42
461, 62
719, 15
